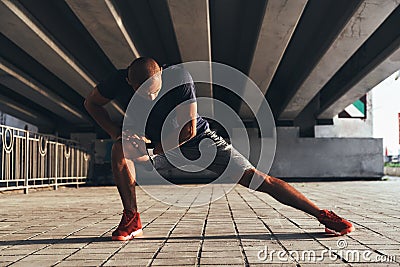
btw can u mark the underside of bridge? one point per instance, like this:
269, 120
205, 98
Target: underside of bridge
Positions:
311, 59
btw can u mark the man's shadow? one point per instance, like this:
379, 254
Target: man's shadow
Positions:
73, 240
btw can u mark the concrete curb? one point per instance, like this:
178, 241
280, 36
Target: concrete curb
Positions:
392, 171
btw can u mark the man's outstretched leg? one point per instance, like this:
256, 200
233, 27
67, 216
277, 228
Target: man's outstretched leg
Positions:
124, 177
288, 195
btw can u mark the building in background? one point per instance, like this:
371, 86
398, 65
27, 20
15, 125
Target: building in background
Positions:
355, 121
386, 102
375, 115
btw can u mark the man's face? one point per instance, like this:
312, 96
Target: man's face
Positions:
150, 89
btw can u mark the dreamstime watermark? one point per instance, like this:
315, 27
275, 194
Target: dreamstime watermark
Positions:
350, 255
137, 121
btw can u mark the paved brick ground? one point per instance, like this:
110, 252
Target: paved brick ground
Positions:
72, 227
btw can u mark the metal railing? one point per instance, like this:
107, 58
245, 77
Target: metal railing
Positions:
32, 160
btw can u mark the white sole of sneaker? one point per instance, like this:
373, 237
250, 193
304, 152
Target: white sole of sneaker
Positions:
136, 233
133, 235
343, 232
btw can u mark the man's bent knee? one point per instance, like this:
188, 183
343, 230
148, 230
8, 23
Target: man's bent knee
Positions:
117, 157
254, 178
247, 177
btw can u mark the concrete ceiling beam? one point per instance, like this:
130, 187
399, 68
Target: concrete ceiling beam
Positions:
104, 23
377, 59
279, 23
25, 85
26, 114
376, 76
369, 16
45, 49
191, 18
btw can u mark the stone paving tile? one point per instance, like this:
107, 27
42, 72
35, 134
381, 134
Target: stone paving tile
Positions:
127, 262
184, 261
69, 227
77, 263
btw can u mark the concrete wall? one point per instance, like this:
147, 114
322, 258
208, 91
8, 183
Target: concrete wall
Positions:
349, 127
392, 171
320, 158
326, 157
307, 158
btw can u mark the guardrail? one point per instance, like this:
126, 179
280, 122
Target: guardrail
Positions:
32, 160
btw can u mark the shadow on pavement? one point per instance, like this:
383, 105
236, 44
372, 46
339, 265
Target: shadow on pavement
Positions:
72, 240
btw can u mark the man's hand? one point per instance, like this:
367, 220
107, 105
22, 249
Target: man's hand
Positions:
135, 147
158, 149
138, 142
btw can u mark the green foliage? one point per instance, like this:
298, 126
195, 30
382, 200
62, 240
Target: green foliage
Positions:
391, 164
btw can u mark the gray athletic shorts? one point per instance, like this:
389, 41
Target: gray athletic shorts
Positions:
215, 148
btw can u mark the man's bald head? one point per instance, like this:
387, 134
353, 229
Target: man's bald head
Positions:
141, 69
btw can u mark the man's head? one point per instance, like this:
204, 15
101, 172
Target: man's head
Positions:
139, 71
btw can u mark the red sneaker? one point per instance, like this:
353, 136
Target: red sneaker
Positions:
129, 227
335, 224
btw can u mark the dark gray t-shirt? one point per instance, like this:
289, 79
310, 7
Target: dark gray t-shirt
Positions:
116, 86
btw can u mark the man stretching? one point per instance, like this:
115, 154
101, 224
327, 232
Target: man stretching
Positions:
193, 128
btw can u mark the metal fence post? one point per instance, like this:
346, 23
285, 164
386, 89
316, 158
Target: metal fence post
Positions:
56, 168
26, 187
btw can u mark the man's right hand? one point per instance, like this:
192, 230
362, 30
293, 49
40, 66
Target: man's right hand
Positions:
137, 141
135, 148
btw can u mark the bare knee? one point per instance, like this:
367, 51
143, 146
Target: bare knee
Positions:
259, 177
118, 160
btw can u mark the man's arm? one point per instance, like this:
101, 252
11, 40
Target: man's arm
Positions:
94, 104
186, 114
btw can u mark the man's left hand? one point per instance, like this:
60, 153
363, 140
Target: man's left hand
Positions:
158, 149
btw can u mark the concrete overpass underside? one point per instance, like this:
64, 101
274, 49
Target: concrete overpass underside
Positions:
310, 58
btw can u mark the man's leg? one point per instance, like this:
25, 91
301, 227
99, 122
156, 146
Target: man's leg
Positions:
277, 188
286, 194
124, 171
124, 176
280, 190
125, 179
